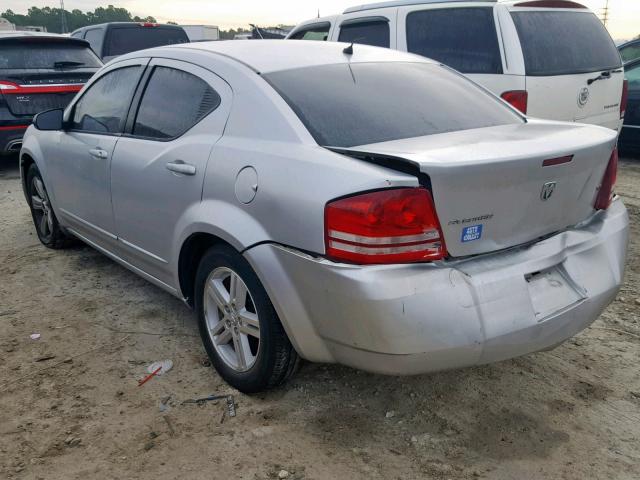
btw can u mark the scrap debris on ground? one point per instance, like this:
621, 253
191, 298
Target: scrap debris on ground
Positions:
71, 408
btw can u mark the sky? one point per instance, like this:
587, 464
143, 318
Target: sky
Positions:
624, 14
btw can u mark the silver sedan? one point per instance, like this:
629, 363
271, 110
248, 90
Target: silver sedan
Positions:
334, 203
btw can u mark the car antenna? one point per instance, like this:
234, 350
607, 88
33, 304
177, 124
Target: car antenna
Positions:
349, 50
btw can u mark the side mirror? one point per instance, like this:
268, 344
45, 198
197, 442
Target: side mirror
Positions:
49, 120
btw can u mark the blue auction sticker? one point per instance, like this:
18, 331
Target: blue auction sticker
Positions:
470, 234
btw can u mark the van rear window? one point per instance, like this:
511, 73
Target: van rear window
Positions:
123, 40
33, 55
564, 43
346, 105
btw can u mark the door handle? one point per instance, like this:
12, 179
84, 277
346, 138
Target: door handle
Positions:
180, 167
98, 153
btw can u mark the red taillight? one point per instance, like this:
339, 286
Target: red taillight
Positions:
6, 87
388, 226
625, 98
148, 24
517, 98
15, 89
605, 194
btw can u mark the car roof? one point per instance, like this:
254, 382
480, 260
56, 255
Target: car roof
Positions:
117, 24
402, 3
274, 55
18, 36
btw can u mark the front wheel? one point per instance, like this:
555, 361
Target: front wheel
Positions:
44, 219
239, 327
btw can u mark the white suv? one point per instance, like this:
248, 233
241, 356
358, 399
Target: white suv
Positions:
549, 58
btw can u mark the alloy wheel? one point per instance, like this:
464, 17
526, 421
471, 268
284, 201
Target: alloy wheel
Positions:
42, 208
231, 319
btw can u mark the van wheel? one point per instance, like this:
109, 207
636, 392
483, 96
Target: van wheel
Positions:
240, 329
44, 218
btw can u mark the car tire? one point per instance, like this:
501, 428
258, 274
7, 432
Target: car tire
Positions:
44, 218
239, 326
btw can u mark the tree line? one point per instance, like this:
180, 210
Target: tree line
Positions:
51, 18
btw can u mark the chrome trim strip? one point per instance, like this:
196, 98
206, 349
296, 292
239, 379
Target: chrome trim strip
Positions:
423, 237
382, 250
90, 225
144, 252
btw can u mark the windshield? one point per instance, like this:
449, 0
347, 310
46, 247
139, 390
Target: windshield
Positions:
38, 55
130, 39
346, 105
564, 43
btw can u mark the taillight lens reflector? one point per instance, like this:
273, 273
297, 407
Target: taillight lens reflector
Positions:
605, 194
625, 98
517, 98
387, 226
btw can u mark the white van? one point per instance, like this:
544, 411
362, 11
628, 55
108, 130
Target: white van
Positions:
549, 58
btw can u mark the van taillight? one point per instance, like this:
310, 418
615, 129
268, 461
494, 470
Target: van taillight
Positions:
517, 98
625, 98
605, 193
388, 226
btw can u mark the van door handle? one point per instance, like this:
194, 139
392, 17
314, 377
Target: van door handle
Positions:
98, 153
180, 167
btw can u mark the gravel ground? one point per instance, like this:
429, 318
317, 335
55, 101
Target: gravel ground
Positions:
70, 407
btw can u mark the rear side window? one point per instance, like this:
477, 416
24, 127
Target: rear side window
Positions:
564, 43
367, 32
318, 31
95, 37
172, 103
462, 38
104, 106
633, 75
346, 105
123, 40
630, 52
39, 55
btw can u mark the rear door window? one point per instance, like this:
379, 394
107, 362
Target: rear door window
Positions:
366, 31
319, 31
462, 38
127, 39
363, 103
34, 55
172, 103
95, 37
103, 107
564, 43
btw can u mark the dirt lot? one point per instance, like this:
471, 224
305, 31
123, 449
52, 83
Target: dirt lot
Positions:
573, 413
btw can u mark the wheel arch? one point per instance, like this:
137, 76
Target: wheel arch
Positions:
191, 252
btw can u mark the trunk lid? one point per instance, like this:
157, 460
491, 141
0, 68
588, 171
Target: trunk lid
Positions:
40, 72
490, 188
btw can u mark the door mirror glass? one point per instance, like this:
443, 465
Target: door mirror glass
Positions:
49, 120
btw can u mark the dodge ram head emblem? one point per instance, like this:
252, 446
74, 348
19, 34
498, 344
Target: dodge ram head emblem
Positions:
583, 97
547, 190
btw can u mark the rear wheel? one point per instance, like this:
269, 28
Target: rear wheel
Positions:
44, 219
238, 324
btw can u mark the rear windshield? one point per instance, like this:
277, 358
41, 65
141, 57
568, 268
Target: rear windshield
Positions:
130, 39
38, 55
348, 105
564, 43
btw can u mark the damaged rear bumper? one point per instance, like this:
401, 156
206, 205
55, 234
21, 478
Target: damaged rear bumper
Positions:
411, 319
